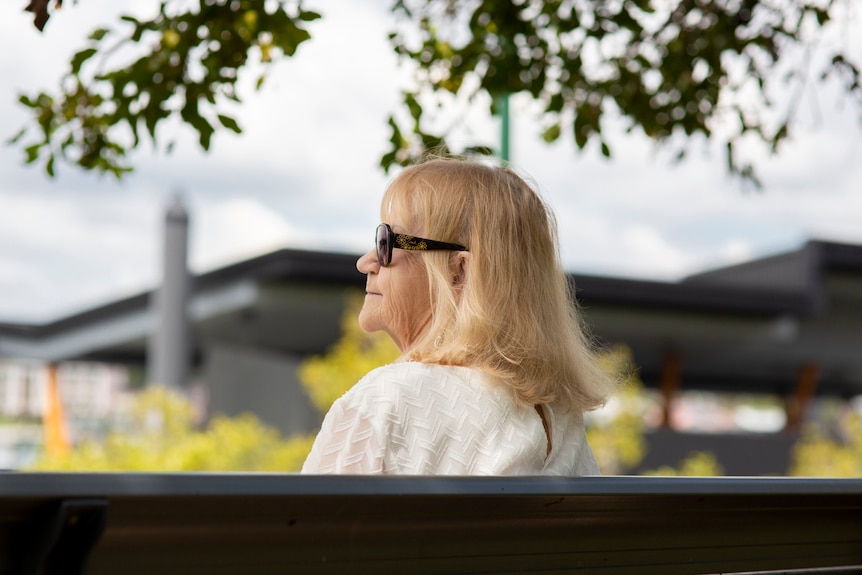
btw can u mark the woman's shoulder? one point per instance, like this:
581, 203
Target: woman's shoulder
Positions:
409, 374
397, 381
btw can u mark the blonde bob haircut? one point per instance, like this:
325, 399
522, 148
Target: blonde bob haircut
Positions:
505, 307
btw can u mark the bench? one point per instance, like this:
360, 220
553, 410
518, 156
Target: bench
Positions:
256, 524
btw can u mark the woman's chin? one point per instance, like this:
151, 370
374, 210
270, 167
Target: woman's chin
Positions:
368, 320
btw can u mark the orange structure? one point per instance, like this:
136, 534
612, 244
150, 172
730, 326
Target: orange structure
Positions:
57, 440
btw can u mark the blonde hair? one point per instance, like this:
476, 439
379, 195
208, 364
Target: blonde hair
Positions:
512, 315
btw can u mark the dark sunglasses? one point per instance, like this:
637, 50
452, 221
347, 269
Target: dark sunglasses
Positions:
386, 239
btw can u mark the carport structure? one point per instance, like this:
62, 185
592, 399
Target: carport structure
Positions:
787, 325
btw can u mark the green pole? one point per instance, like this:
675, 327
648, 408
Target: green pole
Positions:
503, 111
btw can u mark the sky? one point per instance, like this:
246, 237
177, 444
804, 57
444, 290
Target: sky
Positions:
304, 174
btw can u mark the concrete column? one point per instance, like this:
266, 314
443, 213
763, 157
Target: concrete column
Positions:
168, 348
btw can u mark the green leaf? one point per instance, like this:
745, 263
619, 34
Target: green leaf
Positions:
205, 130
14, 139
551, 133
581, 132
309, 16
779, 136
822, 16
49, 166
731, 166
387, 160
229, 123
81, 57
555, 104
413, 105
479, 150
32, 153
606, 151
26, 101
98, 34
398, 142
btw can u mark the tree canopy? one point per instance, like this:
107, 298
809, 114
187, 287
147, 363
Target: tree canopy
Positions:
671, 69
187, 63
729, 71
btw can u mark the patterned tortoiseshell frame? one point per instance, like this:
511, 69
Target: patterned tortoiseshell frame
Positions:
385, 239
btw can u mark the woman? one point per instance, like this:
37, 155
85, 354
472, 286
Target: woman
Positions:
494, 373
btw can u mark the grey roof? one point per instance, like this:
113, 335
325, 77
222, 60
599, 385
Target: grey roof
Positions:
750, 327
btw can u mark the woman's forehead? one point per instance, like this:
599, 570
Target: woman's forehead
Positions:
396, 212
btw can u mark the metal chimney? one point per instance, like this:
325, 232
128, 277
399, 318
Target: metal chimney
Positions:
168, 347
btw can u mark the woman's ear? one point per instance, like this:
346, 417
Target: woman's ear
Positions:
460, 268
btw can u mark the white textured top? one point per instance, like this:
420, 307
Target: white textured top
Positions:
424, 419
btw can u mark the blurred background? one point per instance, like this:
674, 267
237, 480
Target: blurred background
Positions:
737, 308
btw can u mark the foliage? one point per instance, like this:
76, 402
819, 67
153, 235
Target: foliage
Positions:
190, 65
679, 68
160, 436
41, 11
617, 434
328, 376
674, 70
818, 454
697, 464
618, 440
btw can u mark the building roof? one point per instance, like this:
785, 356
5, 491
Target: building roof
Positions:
752, 327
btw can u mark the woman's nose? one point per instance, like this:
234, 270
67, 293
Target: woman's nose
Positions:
367, 262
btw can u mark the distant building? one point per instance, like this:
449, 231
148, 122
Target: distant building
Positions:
91, 394
88, 389
788, 325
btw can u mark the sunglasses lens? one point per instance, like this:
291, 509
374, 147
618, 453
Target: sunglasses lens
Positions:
382, 245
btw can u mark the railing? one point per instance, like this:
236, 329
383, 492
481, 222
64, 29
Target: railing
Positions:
254, 524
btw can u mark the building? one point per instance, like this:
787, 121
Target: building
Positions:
787, 325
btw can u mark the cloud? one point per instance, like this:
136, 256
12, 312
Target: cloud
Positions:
240, 228
304, 174
56, 251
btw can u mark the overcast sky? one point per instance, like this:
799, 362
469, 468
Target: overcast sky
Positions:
304, 174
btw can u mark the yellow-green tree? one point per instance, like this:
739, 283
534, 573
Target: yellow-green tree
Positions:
697, 464
159, 435
326, 377
616, 433
818, 454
